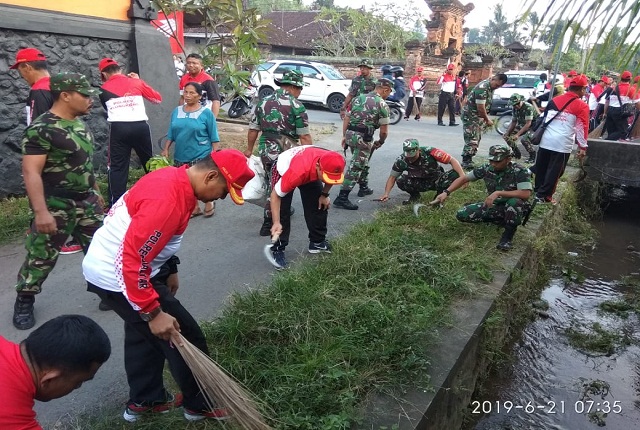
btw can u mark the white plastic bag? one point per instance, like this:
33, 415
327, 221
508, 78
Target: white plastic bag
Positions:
255, 191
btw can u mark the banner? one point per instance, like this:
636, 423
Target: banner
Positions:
171, 26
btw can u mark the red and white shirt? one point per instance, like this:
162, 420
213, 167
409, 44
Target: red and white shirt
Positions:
295, 167
571, 125
123, 98
17, 391
627, 93
447, 83
140, 233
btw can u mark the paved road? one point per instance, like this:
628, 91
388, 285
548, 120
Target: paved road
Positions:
219, 256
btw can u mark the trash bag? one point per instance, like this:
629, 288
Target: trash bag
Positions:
255, 191
157, 162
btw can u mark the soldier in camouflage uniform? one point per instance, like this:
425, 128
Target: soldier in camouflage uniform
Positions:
509, 187
423, 172
362, 84
368, 113
524, 114
57, 166
475, 116
282, 120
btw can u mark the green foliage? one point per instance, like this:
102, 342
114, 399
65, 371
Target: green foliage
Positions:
15, 216
596, 340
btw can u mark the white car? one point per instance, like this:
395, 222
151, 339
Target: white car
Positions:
518, 82
327, 86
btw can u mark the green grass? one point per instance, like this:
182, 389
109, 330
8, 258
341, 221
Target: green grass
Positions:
596, 340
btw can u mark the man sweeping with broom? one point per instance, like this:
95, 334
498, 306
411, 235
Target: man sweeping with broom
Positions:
128, 266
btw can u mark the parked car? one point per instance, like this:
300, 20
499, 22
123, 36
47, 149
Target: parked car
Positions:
327, 86
518, 82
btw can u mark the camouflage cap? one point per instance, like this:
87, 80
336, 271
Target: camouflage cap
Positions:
410, 147
292, 77
72, 82
366, 62
499, 152
515, 99
384, 82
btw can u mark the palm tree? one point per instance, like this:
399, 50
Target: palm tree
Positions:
498, 26
599, 16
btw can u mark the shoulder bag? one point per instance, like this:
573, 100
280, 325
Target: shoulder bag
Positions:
624, 111
539, 132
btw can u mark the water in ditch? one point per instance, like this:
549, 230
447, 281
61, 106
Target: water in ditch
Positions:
551, 382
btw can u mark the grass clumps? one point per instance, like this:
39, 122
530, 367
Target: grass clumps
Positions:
596, 340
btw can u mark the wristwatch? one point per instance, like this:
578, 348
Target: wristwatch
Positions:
447, 192
324, 194
148, 316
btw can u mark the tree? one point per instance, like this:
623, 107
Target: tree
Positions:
418, 30
319, 4
600, 16
266, 6
498, 27
475, 36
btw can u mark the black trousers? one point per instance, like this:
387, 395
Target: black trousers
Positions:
446, 100
616, 126
315, 218
548, 169
145, 354
409, 110
123, 137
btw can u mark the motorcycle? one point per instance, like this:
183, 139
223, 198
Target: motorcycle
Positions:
396, 111
241, 104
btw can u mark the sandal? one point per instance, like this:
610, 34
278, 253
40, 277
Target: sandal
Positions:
208, 213
195, 214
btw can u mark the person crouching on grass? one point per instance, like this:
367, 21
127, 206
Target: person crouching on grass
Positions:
125, 266
313, 171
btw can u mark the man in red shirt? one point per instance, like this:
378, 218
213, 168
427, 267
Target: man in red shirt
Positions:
124, 267
196, 73
51, 362
313, 171
123, 97
624, 93
32, 66
567, 80
446, 100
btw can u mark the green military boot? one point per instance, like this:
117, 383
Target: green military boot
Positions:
505, 240
532, 158
343, 201
364, 190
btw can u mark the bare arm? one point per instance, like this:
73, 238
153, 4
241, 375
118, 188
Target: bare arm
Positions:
32, 166
459, 182
455, 165
215, 107
305, 139
252, 136
165, 150
387, 188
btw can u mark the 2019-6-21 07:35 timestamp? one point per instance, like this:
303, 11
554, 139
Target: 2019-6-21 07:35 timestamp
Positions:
549, 407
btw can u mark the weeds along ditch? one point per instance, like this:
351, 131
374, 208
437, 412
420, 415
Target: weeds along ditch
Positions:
573, 366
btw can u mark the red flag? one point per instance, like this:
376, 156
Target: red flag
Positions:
171, 26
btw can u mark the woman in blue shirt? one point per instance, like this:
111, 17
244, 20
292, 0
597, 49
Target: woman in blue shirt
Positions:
194, 131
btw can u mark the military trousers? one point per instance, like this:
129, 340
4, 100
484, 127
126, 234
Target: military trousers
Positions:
525, 139
413, 185
78, 218
507, 212
472, 127
358, 169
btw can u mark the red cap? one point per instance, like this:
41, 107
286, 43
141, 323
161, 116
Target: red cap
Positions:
605, 79
626, 75
106, 62
573, 73
451, 66
579, 81
332, 166
233, 166
27, 55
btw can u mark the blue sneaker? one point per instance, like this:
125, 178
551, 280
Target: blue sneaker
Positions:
276, 258
318, 247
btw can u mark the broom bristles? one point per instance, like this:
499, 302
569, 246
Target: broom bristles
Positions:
596, 133
222, 390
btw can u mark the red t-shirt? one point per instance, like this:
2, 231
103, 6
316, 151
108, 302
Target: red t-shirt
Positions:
17, 390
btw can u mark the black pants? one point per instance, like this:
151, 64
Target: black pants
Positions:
145, 354
446, 100
123, 137
409, 110
315, 218
616, 126
548, 169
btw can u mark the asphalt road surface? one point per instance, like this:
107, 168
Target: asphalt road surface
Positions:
220, 255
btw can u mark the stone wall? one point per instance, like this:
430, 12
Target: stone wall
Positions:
64, 54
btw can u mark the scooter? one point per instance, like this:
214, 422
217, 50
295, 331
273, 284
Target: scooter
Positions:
396, 111
241, 104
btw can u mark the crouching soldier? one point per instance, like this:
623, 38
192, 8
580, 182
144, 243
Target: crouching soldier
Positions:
417, 170
524, 116
509, 187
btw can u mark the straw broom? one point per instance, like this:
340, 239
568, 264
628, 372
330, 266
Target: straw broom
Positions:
596, 133
215, 383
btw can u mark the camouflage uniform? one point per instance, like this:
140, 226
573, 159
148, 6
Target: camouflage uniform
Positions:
525, 113
368, 113
361, 85
68, 181
282, 119
472, 124
507, 212
424, 174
